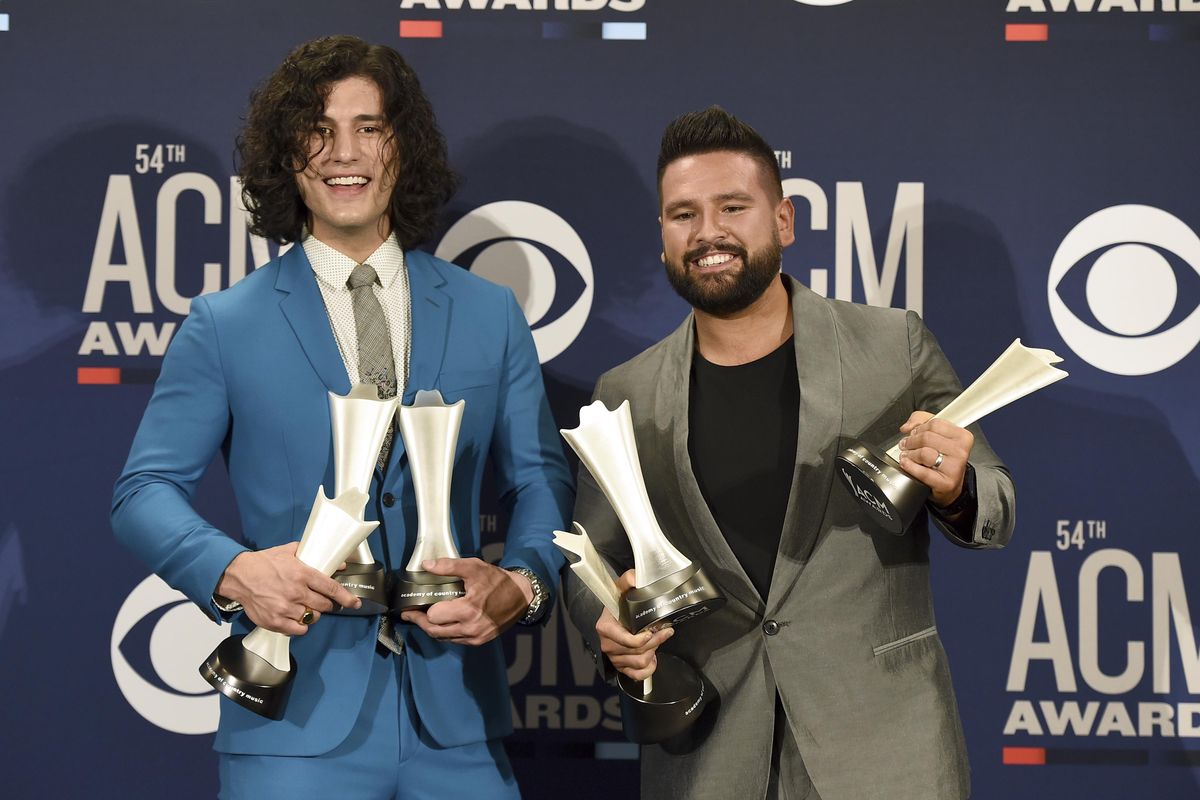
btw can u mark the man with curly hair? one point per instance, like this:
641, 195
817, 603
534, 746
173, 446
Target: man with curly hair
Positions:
341, 157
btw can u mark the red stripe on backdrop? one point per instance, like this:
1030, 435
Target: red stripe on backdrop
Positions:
1026, 33
1029, 756
420, 29
98, 375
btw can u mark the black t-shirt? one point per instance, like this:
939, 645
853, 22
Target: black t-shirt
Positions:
743, 422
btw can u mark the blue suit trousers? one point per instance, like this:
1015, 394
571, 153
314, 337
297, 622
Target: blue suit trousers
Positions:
388, 756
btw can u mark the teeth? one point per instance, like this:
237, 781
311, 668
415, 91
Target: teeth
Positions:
714, 260
350, 180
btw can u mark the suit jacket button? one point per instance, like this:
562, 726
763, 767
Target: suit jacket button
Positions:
770, 627
389, 499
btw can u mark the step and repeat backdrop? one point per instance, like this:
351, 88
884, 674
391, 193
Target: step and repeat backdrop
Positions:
1008, 168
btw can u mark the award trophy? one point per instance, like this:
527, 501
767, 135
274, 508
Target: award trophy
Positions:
889, 495
669, 587
360, 423
430, 430
647, 715
255, 671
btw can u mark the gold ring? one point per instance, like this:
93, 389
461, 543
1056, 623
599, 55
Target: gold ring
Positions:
938, 462
308, 617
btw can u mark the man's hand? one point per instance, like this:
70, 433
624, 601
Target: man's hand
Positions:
495, 599
927, 438
276, 588
631, 653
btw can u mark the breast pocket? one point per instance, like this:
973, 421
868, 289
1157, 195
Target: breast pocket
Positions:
904, 641
480, 389
453, 383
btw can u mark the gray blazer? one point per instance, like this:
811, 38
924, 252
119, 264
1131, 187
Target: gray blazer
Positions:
856, 660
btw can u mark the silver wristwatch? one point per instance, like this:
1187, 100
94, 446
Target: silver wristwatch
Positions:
537, 606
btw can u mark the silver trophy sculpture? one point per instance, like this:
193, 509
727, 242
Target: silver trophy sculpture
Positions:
890, 496
669, 588
648, 714
256, 670
430, 430
360, 422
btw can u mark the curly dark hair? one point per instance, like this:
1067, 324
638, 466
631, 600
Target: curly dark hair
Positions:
273, 145
711, 130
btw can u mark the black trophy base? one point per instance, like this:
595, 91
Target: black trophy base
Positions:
367, 582
417, 590
247, 679
891, 497
676, 598
680, 692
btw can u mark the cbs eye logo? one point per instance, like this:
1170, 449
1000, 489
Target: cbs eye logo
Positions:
822, 2
1131, 290
516, 244
168, 637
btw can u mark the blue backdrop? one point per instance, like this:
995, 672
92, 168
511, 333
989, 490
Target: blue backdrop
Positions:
1022, 168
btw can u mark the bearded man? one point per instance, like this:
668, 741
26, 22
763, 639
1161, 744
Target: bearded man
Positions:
833, 683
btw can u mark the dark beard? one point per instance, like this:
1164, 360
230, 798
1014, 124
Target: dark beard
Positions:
723, 294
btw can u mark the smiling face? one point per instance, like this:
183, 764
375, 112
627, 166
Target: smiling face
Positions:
348, 183
724, 228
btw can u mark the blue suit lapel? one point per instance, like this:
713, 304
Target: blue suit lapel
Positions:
430, 323
305, 312
430, 329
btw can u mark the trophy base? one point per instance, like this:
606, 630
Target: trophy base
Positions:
679, 695
367, 582
891, 497
417, 590
676, 598
247, 679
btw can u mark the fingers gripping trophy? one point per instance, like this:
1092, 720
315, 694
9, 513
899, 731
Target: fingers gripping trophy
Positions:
669, 588
256, 670
889, 495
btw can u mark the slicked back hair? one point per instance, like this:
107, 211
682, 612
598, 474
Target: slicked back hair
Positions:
284, 111
715, 130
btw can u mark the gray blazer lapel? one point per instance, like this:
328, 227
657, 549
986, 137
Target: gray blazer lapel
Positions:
671, 410
818, 365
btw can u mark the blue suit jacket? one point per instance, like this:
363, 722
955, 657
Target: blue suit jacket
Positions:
248, 374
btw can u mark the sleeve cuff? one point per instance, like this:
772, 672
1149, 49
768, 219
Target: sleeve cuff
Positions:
226, 607
959, 516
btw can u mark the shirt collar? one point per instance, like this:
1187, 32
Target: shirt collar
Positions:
333, 268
